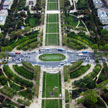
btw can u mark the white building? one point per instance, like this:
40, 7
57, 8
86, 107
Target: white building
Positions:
7, 4
98, 3
30, 2
3, 15
103, 15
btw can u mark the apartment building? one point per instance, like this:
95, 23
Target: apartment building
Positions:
98, 3
3, 15
7, 4
103, 15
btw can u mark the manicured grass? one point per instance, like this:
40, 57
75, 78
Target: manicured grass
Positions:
52, 6
67, 106
52, 0
52, 104
71, 20
32, 22
52, 17
52, 57
51, 85
52, 39
52, 28
62, 3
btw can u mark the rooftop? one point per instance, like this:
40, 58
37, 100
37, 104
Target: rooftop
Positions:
98, 3
3, 12
103, 12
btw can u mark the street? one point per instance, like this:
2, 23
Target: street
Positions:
33, 57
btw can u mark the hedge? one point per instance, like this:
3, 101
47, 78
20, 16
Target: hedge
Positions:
23, 72
26, 94
66, 73
80, 71
67, 69
30, 46
28, 66
27, 103
14, 43
37, 71
26, 43
66, 96
15, 78
88, 80
75, 44
8, 91
3, 79
75, 65
15, 86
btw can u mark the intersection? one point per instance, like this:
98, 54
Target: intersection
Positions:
33, 57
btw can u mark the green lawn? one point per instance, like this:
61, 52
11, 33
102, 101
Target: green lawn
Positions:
51, 103
52, 6
67, 106
71, 20
52, 28
51, 85
52, 39
32, 22
52, 57
52, 17
52, 0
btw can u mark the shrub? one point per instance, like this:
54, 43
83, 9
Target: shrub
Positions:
8, 91
79, 71
66, 96
66, 73
68, 69
88, 81
26, 43
37, 78
75, 65
28, 65
75, 44
14, 43
15, 86
26, 94
15, 78
23, 72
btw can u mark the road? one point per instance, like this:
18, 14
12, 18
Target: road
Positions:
33, 57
